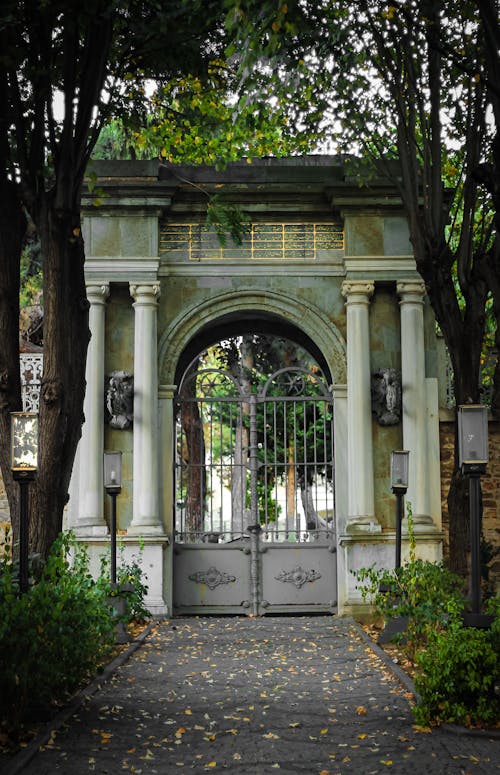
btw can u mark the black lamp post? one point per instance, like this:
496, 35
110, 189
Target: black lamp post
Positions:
113, 486
473, 459
24, 464
399, 486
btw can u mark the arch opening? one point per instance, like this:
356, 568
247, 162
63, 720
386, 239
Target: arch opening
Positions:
249, 322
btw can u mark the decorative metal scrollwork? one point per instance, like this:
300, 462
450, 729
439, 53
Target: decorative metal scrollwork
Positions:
298, 576
212, 577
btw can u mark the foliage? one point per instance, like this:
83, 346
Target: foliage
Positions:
196, 120
65, 70
130, 584
299, 430
457, 676
421, 590
403, 86
54, 636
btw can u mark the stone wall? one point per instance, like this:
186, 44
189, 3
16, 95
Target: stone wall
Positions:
490, 487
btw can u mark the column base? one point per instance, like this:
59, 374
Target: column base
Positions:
422, 523
360, 524
90, 531
145, 529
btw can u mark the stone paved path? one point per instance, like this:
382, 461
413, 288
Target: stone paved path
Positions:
252, 697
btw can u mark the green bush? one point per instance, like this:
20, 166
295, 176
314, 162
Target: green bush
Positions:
420, 590
53, 637
423, 592
458, 675
130, 585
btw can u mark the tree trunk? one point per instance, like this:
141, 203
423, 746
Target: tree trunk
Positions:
196, 486
313, 520
458, 531
12, 230
291, 491
239, 512
66, 337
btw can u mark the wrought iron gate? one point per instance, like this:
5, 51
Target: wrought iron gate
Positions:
255, 517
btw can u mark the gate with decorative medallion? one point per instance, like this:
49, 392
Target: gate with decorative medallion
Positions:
255, 506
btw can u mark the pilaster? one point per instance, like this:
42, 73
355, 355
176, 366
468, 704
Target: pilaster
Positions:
90, 487
414, 387
146, 517
361, 506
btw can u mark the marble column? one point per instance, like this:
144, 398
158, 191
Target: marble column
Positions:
414, 387
146, 516
361, 501
90, 451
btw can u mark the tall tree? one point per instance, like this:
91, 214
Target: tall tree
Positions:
405, 86
93, 58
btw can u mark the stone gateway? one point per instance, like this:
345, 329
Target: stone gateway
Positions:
325, 264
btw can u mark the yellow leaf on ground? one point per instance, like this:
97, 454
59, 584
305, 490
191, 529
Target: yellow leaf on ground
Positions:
361, 710
424, 730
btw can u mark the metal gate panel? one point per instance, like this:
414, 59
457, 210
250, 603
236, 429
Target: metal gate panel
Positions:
255, 519
302, 577
214, 578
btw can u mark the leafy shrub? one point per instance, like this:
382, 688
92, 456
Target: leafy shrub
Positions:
458, 675
130, 585
53, 637
420, 590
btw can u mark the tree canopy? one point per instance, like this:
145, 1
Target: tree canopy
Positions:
65, 69
411, 88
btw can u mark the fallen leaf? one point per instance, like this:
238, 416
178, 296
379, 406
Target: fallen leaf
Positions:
361, 710
423, 730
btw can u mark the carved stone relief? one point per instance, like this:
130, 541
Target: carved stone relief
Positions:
386, 396
120, 399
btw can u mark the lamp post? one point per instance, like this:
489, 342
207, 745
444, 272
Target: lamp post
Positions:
399, 486
24, 464
473, 459
113, 486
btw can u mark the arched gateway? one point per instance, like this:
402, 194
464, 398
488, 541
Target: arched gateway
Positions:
283, 488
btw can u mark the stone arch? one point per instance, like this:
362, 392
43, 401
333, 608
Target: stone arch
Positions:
300, 315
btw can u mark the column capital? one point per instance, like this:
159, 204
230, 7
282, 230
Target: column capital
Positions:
411, 291
145, 293
358, 290
97, 293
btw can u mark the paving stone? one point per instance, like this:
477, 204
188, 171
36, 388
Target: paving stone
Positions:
253, 696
